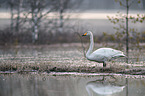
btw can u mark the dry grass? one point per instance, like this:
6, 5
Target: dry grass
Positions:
60, 58
51, 67
20, 67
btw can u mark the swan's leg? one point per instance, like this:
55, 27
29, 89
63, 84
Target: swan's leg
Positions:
104, 64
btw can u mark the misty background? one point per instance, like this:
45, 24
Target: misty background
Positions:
56, 21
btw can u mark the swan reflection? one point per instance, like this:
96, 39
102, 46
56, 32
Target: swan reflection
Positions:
102, 88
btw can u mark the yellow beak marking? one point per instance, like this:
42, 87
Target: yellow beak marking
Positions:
85, 33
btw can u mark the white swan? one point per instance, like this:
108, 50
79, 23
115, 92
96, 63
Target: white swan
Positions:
101, 55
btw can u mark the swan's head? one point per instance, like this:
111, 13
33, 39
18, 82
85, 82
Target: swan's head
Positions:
87, 33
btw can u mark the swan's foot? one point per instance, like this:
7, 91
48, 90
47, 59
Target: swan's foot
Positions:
104, 64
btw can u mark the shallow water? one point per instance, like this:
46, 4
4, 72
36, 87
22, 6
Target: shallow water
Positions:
72, 85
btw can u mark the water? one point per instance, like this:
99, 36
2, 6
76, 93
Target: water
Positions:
47, 85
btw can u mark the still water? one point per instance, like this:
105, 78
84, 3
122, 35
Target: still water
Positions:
71, 85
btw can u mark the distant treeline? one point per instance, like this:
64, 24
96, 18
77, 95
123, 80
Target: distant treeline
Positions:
32, 16
45, 21
8, 38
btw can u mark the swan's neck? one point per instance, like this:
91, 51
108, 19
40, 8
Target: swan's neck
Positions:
91, 45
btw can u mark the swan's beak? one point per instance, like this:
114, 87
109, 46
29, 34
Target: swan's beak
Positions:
84, 34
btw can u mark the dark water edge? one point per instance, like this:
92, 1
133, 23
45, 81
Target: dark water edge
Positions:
67, 71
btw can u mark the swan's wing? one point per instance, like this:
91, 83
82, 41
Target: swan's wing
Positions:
98, 56
116, 54
106, 54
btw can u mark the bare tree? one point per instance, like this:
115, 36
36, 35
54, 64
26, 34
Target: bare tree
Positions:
63, 6
31, 14
15, 11
11, 4
126, 19
18, 9
39, 9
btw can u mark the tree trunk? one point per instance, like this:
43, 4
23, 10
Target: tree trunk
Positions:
12, 17
127, 33
18, 17
35, 26
35, 23
61, 16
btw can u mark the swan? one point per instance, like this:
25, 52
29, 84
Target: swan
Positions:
101, 55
